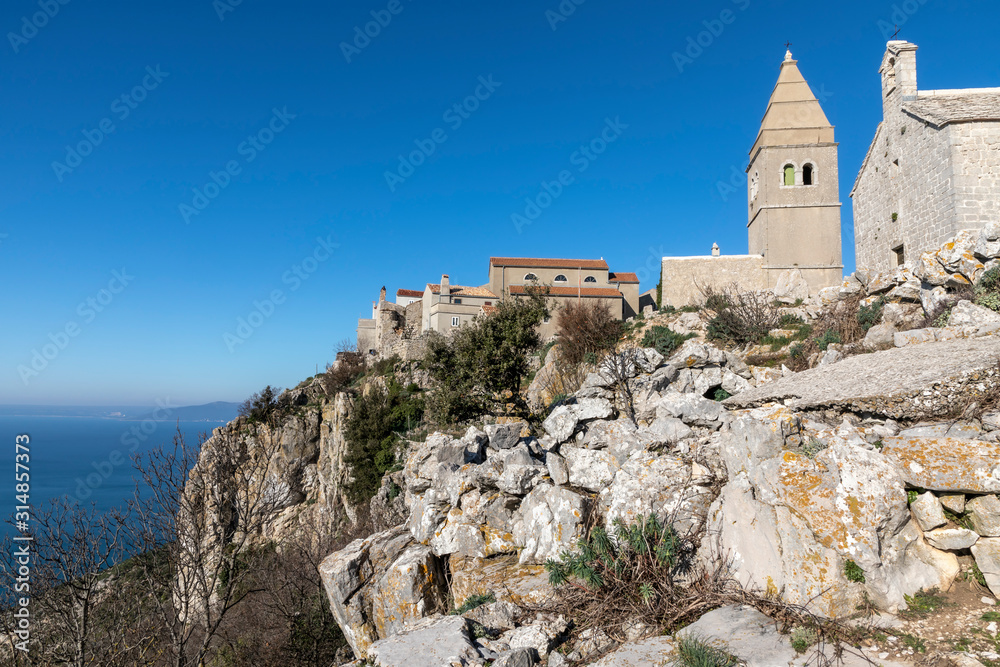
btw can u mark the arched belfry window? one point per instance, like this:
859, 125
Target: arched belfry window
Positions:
789, 174
808, 175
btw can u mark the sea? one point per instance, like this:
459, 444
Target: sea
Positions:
85, 459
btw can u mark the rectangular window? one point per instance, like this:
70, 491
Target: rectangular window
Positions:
900, 255
457, 301
454, 321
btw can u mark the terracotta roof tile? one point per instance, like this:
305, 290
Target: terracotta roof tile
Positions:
462, 290
409, 293
542, 263
573, 291
623, 278
489, 309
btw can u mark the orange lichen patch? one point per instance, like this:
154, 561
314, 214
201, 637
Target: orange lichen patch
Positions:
502, 576
498, 542
946, 464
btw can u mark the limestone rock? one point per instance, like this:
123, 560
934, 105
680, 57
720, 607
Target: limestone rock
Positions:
966, 313
561, 423
590, 469
907, 291
691, 408
987, 554
921, 382
538, 637
498, 616
744, 632
951, 539
936, 301
945, 464
880, 335
953, 502
558, 470
928, 512
521, 657
693, 354
661, 485
914, 337
988, 242
984, 513
437, 641
377, 584
458, 535
791, 287
550, 521
504, 436
668, 430
523, 585
643, 653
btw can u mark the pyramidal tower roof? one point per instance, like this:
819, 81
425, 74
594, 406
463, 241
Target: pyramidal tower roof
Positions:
794, 116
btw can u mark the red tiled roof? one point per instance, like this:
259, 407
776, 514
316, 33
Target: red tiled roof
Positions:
571, 291
409, 292
461, 290
540, 263
489, 310
623, 278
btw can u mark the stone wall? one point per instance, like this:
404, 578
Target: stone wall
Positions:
685, 277
935, 180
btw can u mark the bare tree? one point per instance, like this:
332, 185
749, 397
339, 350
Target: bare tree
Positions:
620, 368
82, 616
206, 525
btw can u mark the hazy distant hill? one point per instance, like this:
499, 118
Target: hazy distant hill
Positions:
219, 411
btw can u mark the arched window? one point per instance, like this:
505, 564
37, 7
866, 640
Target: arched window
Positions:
590, 279
789, 174
530, 276
807, 175
560, 278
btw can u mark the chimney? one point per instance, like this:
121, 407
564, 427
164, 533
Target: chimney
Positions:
899, 71
715, 250
381, 294
445, 286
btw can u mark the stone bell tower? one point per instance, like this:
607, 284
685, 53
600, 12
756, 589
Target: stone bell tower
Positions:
793, 186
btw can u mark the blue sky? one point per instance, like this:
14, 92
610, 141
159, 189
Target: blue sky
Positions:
277, 140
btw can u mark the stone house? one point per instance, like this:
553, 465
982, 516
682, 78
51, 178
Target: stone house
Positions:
793, 204
445, 307
566, 281
932, 170
404, 297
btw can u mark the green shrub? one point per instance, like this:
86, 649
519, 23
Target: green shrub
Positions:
667, 310
696, 652
664, 339
922, 603
790, 321
482, 366
828, 338
473, 602
741, 317
721, 394
603, 559
812, 447
941, 321
690, 309
372, 435
263, 407
987, 290
870, 315
802, 638
853, 572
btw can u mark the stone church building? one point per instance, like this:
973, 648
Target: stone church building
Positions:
933, 168
793, 204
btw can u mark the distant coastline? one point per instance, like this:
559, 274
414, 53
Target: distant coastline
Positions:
217, 412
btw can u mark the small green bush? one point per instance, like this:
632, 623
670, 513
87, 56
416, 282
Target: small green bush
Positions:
790, 321
923, 603
812, 447
473, 602
802, 638
263, 407
827, 339
853, 572
870, 315
696, 652
721, 394
664, 339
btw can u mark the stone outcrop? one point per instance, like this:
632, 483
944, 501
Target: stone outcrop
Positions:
923, 382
